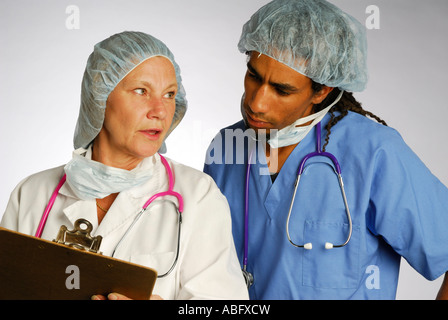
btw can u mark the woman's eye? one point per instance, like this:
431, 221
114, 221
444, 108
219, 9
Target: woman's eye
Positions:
170, 95
140, 91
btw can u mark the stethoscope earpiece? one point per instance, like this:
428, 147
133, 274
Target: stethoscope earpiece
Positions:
337, 169
309, 246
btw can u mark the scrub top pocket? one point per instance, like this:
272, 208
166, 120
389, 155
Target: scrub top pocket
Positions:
331, 268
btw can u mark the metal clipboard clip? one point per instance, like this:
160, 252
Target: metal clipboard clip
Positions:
80, 237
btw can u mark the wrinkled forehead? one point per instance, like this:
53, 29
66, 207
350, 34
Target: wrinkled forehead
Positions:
138, 62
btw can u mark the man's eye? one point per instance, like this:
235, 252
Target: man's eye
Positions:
282, 92
253, 75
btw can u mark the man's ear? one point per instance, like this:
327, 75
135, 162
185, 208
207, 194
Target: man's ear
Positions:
320, 96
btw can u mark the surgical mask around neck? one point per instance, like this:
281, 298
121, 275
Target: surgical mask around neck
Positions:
294, 133
90, 179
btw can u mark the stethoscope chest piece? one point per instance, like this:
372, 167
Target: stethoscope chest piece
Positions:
248, 277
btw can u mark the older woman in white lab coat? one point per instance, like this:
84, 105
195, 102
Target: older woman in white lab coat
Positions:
132, 98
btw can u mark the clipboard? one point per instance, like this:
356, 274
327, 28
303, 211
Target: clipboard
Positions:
37, 269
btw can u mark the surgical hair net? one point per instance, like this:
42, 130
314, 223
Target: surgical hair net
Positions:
313, 37
111, 60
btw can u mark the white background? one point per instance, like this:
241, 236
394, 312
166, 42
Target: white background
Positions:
42, 63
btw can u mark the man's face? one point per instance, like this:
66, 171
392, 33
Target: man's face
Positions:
276, 95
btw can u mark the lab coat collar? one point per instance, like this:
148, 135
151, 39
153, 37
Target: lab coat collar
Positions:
144, 189
122, 211
157, 183
126, 205
67, 191
88, 209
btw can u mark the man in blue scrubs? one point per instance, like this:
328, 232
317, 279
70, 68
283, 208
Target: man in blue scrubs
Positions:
305, 58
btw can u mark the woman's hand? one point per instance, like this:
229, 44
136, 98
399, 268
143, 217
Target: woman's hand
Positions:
117, 296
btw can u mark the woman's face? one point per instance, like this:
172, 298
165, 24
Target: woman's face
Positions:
138, 115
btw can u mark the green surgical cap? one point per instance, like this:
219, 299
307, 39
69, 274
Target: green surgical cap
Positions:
112, 59
313, 37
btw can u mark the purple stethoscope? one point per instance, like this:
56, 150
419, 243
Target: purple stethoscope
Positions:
170, 192
328, 245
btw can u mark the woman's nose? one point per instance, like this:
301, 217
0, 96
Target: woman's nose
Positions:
156, 109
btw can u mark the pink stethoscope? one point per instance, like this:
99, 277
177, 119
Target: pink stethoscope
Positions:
170, 192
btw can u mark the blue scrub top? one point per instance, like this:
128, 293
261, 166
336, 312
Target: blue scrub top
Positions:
398, 209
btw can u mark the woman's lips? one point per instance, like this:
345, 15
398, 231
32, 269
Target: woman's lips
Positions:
152, 134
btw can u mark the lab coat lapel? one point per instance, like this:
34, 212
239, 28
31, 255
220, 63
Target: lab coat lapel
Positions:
125, 207
87, 207
121, 212
129, 203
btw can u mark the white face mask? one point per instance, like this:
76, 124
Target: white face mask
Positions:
294, 133
90, 179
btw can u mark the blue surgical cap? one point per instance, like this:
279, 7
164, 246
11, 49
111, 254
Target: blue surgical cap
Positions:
313, 37
112, 59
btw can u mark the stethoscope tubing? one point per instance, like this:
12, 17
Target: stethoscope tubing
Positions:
43, 220
337, 168
246, 211
170, 192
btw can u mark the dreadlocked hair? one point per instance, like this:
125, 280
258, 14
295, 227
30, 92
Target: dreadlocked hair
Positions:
345, 104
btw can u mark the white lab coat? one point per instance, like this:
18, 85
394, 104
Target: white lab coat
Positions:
207, 267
